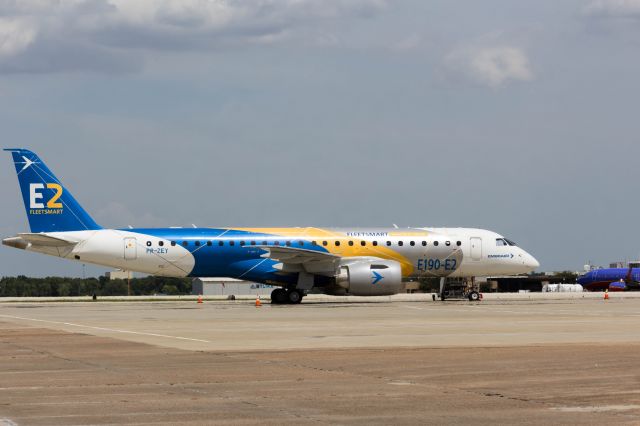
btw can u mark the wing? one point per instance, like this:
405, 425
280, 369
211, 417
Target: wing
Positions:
298, 259
296, 255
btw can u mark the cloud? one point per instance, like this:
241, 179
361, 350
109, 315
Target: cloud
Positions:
493, 66
118, 215
613, 9
80, 35
15, 36
409, 43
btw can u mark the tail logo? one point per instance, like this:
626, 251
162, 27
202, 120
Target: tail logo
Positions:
37, 198
27, 163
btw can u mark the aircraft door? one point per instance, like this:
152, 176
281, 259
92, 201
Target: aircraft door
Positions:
130, 249
476, 248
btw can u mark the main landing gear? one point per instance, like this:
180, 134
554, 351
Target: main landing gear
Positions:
281, 296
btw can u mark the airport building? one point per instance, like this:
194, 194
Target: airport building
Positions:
118, 275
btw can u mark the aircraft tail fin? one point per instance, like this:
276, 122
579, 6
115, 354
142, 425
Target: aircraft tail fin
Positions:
50, 206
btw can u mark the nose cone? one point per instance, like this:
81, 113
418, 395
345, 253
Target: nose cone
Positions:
531, 262
584, 279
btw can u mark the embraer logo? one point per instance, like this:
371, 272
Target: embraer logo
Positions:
376, 277
36, 198
27, 163
498, 256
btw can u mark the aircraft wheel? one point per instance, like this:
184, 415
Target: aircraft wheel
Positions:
278, 296
294, 297
474, 296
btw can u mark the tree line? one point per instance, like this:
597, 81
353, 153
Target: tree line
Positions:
22, 286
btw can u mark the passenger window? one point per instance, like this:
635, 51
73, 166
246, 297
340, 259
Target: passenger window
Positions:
241, 243
148, 243
185, 243
315, 243
232, 243
337, 243
412, 243
300, 243
424, 243
253, 243
388, 243
351, 243
400, 243
363, 243
265, 243
209, 243
459, 243
448, 243
276, 243
160, 243
197, 243
324, 243
173, 243
375, 243
288, 243
220, 243
435, 243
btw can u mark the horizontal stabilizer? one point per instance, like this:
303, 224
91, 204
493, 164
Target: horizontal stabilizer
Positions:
47, 240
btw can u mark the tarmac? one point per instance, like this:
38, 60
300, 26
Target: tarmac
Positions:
542, 360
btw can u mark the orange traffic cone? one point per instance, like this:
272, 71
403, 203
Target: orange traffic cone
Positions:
200, 298
606, 294
258, 303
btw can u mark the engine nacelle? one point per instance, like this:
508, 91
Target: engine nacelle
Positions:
371, 278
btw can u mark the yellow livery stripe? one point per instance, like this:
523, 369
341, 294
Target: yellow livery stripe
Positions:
343, 248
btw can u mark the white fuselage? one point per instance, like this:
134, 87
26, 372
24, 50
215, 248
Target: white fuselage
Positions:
476, 252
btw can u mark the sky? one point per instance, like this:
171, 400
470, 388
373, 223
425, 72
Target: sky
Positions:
519, 117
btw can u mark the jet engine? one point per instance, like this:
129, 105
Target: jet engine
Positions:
370, 278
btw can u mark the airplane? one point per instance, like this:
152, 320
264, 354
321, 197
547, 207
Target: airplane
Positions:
339, 261
612, 279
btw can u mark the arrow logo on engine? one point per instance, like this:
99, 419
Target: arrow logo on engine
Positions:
376, 277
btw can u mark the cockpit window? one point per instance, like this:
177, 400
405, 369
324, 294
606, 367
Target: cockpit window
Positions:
511, 243
501, 242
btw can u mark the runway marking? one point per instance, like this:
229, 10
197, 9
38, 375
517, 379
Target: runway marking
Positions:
114, 330
597, 408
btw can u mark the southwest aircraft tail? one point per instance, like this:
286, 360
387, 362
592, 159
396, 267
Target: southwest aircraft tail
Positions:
50, 206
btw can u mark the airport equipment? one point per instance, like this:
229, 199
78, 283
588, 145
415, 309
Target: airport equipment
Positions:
200, 298
459, 289
224, 286
258, 303
562, 288
339, 261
